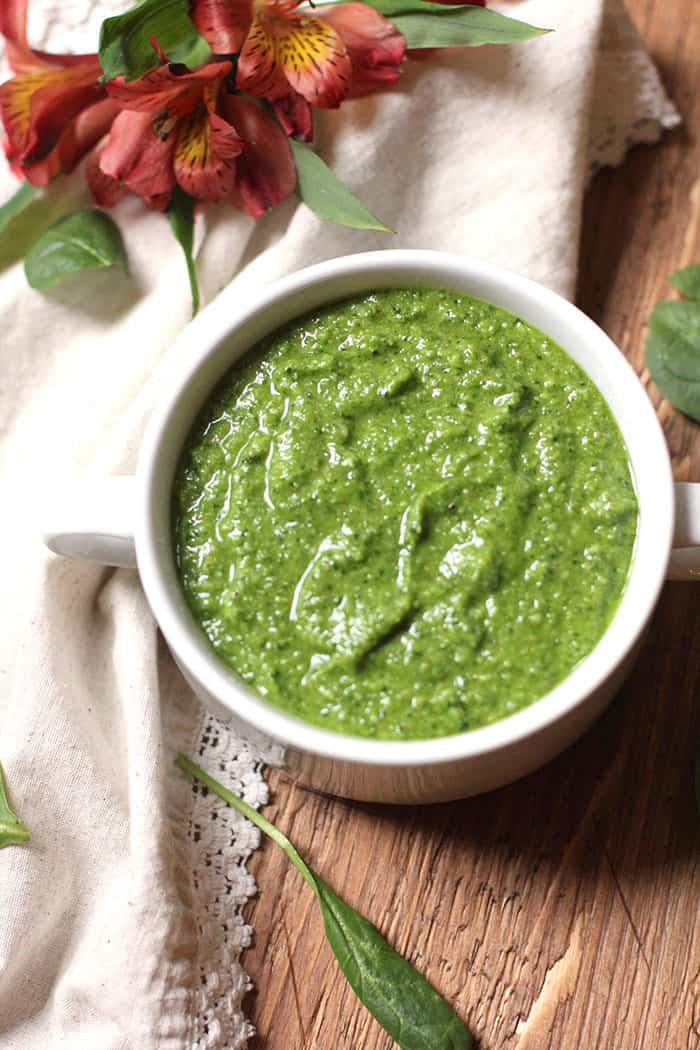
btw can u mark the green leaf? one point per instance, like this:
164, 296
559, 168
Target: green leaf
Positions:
86, 239
437, 25
673, 344
192, 54
325, 194
687, 281
125, 40
403, 1002
16, 204
12, 830
181, 215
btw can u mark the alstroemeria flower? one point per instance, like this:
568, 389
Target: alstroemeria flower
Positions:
54, 110
187, 129
296, 57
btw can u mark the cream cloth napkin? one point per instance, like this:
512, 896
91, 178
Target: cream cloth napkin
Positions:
112, 920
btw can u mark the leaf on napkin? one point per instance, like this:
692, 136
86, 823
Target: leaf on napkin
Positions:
673, 344
400, 998
86, 239
126, 41
426, 25
12, 830
181, 215
16, 204
319, 188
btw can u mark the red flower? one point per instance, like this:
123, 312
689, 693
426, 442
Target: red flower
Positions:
297, 60
187, 129
54, 110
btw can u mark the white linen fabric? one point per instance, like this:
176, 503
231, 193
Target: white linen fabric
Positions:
121, 921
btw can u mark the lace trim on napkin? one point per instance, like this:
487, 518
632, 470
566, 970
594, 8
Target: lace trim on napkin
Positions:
221, 842
630, 105
211, 847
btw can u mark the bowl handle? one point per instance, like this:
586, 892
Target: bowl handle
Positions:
685, 558
96, 523
106, 533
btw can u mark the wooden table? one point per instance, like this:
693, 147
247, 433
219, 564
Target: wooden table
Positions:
560, 913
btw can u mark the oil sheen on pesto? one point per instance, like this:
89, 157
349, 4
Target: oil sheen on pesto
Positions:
404, 515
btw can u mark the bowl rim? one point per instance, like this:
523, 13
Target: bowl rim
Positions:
206, 336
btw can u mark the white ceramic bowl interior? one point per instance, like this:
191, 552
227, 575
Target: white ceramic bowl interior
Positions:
227, 329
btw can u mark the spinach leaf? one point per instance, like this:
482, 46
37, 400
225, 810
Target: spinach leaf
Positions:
673, 344
403, 1002
86, 239
426, 24
687, 281
126, 47
16, 204
192, 54
325, 194
181, 215
12, 830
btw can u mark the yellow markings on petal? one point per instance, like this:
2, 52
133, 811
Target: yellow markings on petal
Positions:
28, 97
313, 58
205, 149
257, 63
305, 52
193, 146
16, 101
305, 44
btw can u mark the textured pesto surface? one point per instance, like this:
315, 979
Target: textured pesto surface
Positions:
404, 516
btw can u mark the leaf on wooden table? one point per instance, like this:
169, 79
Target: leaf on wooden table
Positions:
673, 344
400, 998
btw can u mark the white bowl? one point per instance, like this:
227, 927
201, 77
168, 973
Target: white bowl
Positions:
387, 771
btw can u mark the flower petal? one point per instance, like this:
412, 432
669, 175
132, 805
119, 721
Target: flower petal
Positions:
13, 22
224, 24
304, 51
257, 71
79, 136
106, 191
375, 45
40, 172
205, 153
294, 114
36, 107
16, 111
140, 158
85, 131
265, 172
20, 56
22, 60
164, 91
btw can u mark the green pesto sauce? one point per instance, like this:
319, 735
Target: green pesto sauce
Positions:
404, 515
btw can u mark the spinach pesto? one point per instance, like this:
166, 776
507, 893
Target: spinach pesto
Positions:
404, 515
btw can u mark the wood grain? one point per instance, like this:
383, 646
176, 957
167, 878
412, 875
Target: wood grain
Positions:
561, 912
